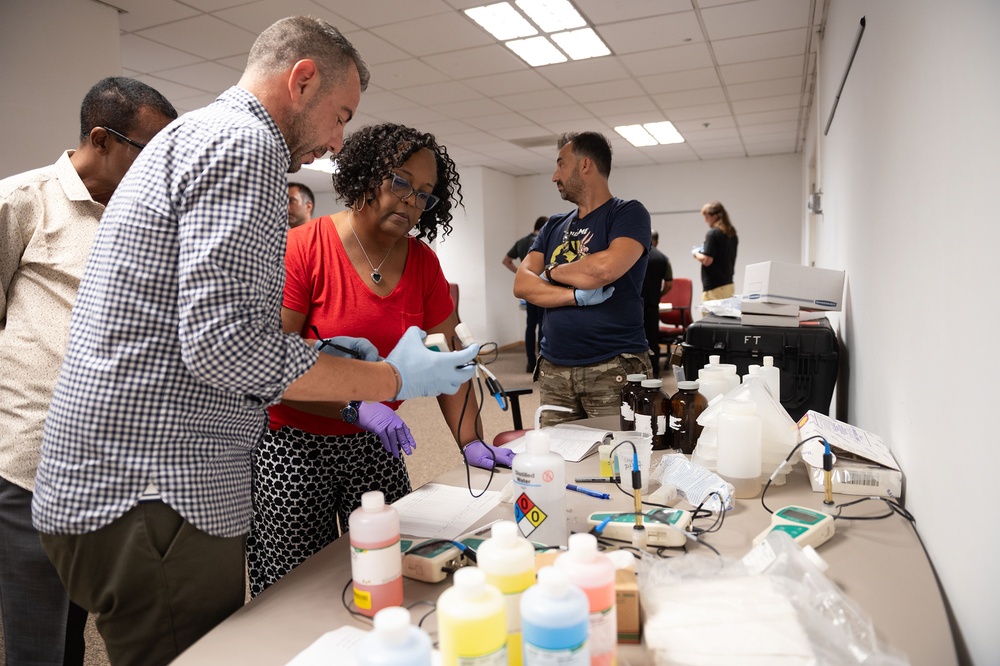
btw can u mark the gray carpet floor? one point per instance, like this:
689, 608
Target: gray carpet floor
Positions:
436, 449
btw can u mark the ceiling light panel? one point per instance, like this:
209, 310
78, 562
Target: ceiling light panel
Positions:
502, 21
664, 132
636, 135
552, 15
536, 51
581, 44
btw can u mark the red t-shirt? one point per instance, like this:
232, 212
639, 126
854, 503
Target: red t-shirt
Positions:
321, 282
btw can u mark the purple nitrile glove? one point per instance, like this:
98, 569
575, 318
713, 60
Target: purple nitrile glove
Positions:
479, 454
384, 422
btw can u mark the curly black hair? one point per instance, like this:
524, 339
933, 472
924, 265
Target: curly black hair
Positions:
370, 155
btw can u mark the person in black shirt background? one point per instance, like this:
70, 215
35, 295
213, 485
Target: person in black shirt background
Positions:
533, 332
718, 254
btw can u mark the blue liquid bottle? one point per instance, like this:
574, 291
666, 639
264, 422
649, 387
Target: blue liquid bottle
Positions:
555, 621
394, 641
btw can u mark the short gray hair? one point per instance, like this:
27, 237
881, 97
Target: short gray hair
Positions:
299, 37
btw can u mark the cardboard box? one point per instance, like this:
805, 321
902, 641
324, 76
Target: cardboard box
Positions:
808, 287
748, 306
864, 465
627, 603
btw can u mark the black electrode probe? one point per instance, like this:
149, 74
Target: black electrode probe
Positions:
827, 474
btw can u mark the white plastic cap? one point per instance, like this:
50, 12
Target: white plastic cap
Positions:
753, 369
687, 386
711, 373
622, 559
392, 624
714, 359
505, 532
638, 377
470, 581
373, 500
768, 361
536, 441
815, 558
553, 581
582, 546
652, 383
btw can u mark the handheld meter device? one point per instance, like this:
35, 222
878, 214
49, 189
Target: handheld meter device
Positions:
805, 526
431, 560
664, 527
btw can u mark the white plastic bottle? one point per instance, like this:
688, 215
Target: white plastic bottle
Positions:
508, 560
540, 491
594, 573
556, 621
394, 641
376, 560
729, 370
712, 382
472, 626
740, 447
772, 377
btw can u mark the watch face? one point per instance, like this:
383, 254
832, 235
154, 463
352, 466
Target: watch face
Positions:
350, 412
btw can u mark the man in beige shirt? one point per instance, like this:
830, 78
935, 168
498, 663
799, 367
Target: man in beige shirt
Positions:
48, 218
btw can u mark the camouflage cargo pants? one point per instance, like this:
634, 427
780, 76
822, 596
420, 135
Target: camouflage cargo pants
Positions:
587, 390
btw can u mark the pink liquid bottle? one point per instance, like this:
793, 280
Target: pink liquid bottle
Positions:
376, 560
594, 573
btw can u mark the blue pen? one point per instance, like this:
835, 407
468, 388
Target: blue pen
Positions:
588, 491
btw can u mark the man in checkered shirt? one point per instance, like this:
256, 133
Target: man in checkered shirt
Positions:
143, 491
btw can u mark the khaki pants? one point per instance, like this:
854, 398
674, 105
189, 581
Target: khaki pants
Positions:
157, 583
717, 294
587, 390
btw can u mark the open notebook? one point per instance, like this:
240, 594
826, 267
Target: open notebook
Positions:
572, 442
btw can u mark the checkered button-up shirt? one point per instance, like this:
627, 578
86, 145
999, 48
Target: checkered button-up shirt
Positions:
175, 342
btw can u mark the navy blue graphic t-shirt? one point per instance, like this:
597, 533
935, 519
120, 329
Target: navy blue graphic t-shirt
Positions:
575, 335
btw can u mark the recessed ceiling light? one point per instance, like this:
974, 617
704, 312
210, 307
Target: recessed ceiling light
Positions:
536, 51
552, 15
636, 135
581, 44
664, 132
650, 134
502, 21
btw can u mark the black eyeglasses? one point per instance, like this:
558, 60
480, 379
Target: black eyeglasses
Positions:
124, 138
402, 189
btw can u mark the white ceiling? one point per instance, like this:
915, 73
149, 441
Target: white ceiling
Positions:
735, 77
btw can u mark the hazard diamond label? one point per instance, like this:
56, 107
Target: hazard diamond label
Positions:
528, 515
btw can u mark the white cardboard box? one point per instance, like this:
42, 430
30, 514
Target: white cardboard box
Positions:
864, 465
806, 286
761, 307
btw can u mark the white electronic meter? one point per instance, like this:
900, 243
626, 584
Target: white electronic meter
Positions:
805, 526
664, 527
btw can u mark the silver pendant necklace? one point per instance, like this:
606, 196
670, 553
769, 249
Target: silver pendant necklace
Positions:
376, 276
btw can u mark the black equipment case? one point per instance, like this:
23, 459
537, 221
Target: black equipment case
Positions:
806, 356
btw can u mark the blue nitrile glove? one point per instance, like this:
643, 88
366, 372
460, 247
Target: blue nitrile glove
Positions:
361, 348
427, 373
384, 422
479, 454
593, 296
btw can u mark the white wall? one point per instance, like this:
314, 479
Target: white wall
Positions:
471, 255
909, 171
763, 196
52, 53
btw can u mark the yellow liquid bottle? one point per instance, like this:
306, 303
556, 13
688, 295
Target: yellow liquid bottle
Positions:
508, 560
472, 624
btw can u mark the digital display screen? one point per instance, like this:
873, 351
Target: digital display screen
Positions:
799, 516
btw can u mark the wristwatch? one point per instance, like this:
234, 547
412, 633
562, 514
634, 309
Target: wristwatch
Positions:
548, 276
350, 412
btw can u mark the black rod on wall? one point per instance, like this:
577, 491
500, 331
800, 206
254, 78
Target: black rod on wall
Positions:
854, 51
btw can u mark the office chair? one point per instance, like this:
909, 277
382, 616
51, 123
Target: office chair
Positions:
514, 395
675, 321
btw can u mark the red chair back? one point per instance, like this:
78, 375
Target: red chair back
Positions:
679, 297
